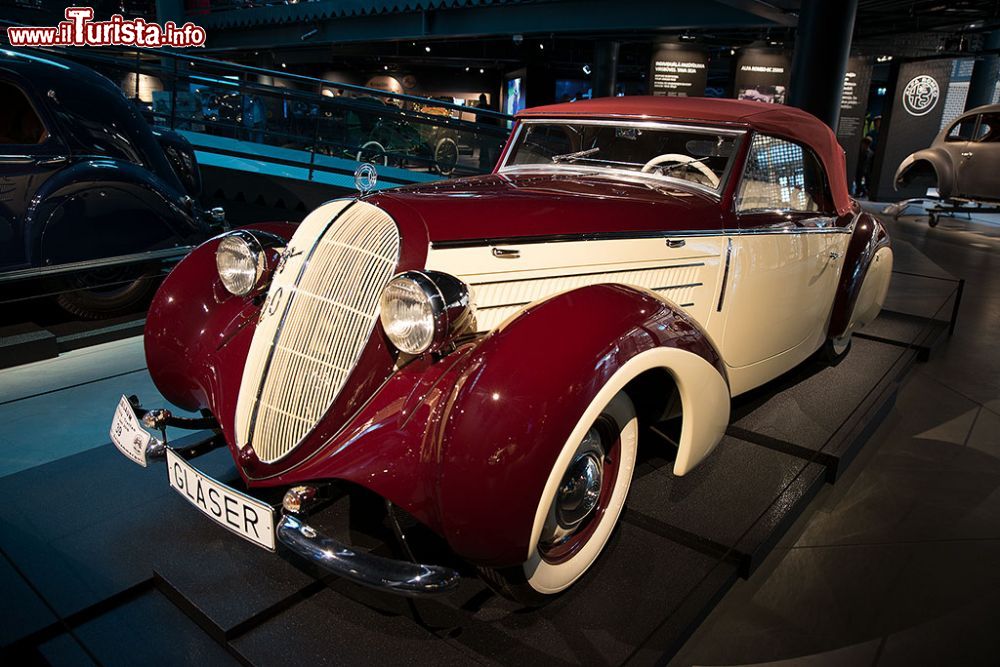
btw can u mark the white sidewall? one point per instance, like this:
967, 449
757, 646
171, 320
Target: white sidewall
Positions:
550, 578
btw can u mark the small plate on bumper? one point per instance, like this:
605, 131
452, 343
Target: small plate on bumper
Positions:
127, 433
251, 519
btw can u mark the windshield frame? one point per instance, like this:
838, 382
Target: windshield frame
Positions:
575, 168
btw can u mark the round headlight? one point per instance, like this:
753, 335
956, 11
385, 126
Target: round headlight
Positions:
422, 311
240, 261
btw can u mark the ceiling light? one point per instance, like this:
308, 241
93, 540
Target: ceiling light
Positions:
541, 46
481, 70
586, 69
427, 49
283, 65
466, 68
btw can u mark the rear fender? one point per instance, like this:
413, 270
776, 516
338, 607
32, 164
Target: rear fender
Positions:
869, 247
531, 387
930, 168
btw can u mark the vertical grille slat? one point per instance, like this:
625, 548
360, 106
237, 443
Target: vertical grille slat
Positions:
330, 313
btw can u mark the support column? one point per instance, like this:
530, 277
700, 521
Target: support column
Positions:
605, 68
822, 46
985, 73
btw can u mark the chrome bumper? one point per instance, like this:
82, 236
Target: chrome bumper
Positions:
385, 574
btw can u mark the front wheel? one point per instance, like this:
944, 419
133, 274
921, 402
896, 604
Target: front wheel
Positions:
578, 509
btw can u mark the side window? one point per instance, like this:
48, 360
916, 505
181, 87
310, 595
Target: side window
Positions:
962, 130
781, 175
19, 124
988, 131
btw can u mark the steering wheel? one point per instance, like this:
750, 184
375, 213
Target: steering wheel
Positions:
680, 158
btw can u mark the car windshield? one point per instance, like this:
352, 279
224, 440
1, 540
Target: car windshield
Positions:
696, 155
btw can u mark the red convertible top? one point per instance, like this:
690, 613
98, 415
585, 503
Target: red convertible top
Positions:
774, 119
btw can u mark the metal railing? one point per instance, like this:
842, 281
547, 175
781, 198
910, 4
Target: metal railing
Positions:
329, 118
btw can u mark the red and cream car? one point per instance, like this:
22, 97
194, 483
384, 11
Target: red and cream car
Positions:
481, 353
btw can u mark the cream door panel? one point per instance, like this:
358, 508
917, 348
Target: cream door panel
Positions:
780, 292
502, 286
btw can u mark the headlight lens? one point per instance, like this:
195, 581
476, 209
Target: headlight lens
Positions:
240, 261
423, 311
408, 315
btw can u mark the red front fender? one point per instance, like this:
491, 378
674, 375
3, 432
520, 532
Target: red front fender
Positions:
466, 443
523, 392
197, 334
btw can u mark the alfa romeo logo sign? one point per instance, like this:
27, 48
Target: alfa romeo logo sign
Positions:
921, 95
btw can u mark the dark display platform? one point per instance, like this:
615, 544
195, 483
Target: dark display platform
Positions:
104, 563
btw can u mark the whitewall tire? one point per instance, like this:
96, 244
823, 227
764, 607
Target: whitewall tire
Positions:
580, 506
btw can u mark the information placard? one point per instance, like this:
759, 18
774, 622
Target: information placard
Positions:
677, 70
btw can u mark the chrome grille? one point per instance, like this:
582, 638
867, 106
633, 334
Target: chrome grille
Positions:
329, 313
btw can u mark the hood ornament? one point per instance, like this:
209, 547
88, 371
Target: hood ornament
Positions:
365, 178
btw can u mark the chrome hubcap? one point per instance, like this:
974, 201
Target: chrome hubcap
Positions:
580, 490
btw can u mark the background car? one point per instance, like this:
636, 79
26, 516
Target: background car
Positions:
92, 201
483, 353
963, 162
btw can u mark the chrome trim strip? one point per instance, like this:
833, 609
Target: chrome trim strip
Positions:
725, 274
134, 258
627, 236
384, 574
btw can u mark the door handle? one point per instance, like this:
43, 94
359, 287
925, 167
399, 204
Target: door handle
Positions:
506, 253
675, 243
967, 154
834, 255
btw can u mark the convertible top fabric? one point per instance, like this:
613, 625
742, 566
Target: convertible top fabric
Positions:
774, 119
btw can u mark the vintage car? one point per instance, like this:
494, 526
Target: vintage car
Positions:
963, 161
482, 353
91, 199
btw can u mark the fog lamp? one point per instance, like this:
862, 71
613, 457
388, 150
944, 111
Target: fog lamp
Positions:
298, 498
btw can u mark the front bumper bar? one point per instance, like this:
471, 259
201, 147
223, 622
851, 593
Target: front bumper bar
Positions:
399, 577
394, 576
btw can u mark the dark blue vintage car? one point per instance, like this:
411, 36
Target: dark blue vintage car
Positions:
93, 201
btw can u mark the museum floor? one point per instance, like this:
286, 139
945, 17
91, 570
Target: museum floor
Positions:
897, 563
894, 564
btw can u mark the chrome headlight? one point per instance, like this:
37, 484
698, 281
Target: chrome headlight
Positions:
240, 261
421, 311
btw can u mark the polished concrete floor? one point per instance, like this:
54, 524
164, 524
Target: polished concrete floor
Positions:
895, 564
899, 562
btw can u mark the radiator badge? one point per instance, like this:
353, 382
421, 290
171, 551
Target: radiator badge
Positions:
365, 178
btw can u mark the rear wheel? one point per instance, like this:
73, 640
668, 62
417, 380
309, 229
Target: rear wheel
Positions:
836, 349
374, 152
106, 292
445, 156
580, 511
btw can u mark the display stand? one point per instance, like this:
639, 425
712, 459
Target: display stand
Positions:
129, 569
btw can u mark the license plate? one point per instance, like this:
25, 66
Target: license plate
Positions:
248, 517
128, 435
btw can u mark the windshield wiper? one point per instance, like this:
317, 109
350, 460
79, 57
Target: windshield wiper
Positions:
565, 157
678, 165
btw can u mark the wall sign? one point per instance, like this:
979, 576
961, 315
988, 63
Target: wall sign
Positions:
676, 70
911, 122
921, 95
853, 106
762, 75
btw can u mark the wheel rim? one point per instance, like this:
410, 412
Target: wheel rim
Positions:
584, 493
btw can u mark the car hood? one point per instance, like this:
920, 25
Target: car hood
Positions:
512, 206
